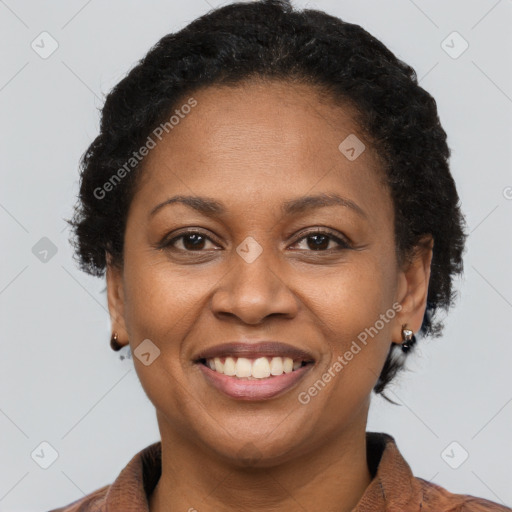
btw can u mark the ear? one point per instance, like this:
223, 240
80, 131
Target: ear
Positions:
413, 288
115, 297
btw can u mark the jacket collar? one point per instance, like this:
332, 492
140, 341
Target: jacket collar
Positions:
393, 487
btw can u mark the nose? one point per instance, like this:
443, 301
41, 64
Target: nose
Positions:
254, 291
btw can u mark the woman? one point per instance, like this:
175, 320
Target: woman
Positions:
271, 203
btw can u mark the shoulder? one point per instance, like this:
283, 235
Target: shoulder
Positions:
93, 502
436, 498
129, 490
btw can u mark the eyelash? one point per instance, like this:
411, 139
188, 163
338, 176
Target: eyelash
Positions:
343, 244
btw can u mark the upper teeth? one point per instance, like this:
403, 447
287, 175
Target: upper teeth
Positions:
259, 368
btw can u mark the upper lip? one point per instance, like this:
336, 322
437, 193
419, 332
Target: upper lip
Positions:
254, 350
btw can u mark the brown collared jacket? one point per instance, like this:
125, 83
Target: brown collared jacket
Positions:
393, 488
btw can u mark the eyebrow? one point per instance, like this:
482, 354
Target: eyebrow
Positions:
211, 207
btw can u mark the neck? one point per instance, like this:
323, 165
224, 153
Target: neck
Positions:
332, 476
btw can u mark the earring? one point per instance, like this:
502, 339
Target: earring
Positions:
408, 337
114, 343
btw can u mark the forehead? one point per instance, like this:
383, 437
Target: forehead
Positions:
259, 138
243, 118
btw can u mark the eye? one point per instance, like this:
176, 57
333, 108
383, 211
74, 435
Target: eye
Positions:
316, 240
319, 240
190, 241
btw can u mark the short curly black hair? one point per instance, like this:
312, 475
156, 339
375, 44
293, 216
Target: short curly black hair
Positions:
270, 39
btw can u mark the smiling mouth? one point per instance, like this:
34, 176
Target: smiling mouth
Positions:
253, 379
244, 368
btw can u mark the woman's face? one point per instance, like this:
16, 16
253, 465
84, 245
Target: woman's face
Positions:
259, 272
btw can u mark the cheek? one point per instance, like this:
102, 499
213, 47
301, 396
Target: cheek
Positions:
348, 305
161, 299
356, 313
351, 298
162, 306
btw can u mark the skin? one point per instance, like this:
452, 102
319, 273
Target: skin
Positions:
253, 147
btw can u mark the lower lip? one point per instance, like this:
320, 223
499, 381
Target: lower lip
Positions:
257, 389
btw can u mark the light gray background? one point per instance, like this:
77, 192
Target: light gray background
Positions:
62, 384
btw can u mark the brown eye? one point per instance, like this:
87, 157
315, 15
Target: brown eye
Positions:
190, 241
320, 240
